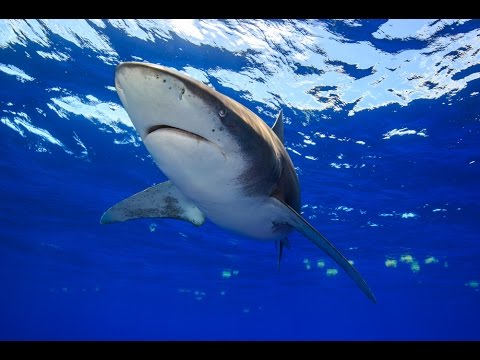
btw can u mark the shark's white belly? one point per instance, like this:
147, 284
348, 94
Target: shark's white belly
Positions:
252, 217
210, 179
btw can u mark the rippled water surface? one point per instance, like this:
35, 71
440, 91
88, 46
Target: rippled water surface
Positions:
382, 122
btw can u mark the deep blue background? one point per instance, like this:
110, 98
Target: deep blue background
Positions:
65, 276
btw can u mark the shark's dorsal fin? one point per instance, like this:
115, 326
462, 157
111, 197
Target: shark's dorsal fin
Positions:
159, 201
278, 126
287, 215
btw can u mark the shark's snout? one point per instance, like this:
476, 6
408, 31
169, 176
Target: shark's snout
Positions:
152, 95
158, 98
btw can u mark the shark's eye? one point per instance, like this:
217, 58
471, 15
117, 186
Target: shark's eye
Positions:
222, 112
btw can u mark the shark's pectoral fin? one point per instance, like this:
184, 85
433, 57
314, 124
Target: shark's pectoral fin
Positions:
159, 201
292, 218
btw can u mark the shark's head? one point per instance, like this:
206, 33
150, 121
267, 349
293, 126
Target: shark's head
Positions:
158, 98
183, 121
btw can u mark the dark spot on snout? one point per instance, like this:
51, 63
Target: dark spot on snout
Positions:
164, 80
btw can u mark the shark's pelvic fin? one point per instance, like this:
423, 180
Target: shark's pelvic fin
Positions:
280, 252
159, 201
280, 245
294, 219
278, 126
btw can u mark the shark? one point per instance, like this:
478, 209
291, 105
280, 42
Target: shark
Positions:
222, 161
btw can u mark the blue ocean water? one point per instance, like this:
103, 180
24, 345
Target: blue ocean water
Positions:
382, 124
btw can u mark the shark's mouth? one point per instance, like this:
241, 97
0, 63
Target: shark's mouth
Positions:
183, 132
155, 128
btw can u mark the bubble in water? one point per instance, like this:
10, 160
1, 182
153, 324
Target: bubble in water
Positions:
332, 272
408, 259
431, 260
415, 267
391, 263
